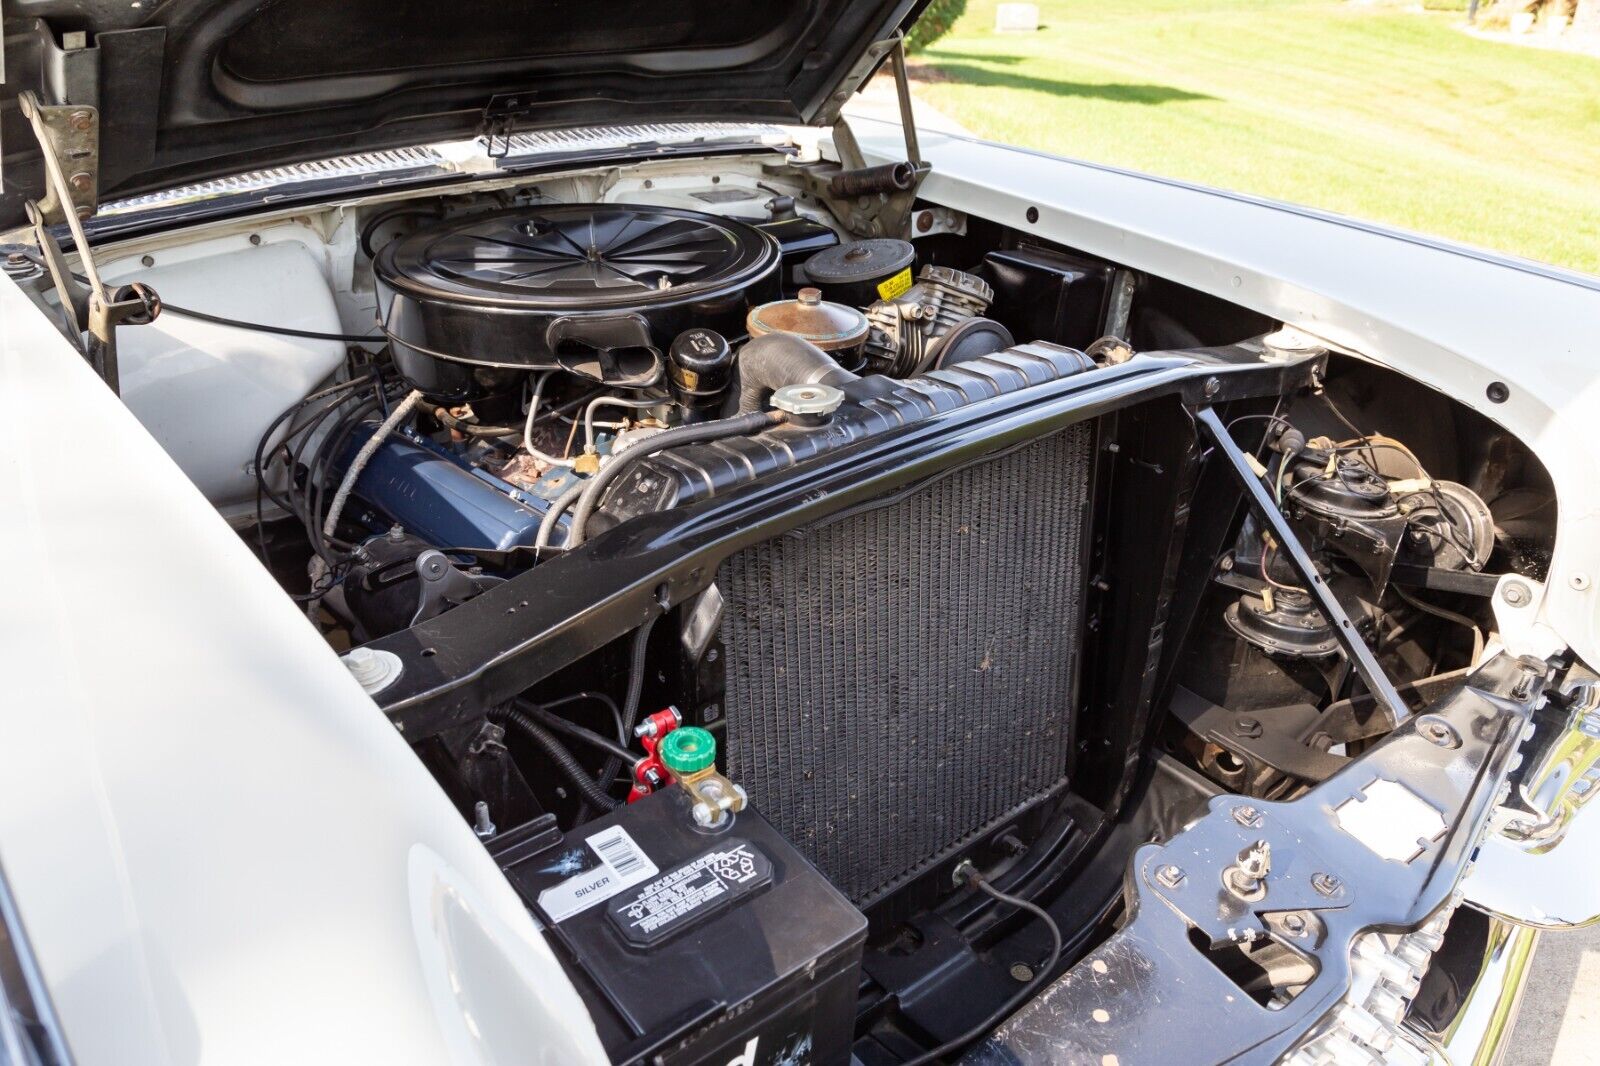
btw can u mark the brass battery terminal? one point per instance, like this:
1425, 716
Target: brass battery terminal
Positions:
690, 755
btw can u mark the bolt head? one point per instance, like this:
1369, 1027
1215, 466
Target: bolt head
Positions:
709, 816
1295, 924
1212, 386
1246, 726
1247, 816
1516, 594
1170, 876
1021, 972
1326, 884
80, 120
80, 181
1436, 730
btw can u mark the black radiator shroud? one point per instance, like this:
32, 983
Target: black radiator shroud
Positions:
901, 677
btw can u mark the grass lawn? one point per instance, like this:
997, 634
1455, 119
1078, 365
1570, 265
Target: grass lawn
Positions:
1378, 112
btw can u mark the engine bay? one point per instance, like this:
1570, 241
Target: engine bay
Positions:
815, 623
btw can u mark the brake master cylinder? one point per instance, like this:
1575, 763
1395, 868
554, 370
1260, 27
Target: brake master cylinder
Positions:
690, 755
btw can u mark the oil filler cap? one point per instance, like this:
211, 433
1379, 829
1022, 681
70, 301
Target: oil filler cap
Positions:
688, 750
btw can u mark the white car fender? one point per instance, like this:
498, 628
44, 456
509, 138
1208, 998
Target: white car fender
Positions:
220, 849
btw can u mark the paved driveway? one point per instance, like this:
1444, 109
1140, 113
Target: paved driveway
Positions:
1560, 1018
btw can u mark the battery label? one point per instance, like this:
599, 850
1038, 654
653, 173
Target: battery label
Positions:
687, 894
618, 863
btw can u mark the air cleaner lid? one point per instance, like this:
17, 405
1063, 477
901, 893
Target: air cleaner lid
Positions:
846, 264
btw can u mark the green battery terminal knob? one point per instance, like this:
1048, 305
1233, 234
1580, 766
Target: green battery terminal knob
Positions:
690, 755
688, 750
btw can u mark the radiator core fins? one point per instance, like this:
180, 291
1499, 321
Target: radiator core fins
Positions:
901, 678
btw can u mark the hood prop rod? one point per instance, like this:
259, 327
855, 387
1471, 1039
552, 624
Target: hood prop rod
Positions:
70, 133
902, 90
1356, 651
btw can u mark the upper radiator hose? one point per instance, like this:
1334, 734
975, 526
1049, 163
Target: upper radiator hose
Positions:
774, 360
595, 487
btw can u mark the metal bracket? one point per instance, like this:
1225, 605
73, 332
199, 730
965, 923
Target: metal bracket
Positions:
1355, 650
1333, 875
1272, 738
870, 214
69, 139
501, 116
441, 586
872, 205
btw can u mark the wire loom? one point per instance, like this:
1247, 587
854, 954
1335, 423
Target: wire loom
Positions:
901, 678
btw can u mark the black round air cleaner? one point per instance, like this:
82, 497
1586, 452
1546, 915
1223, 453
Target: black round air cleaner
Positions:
596, 289
863, 272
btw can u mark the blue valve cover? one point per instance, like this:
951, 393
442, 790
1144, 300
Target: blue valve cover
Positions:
437, 494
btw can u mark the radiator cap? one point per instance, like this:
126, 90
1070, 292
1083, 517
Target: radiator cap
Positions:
688, 750
808, 399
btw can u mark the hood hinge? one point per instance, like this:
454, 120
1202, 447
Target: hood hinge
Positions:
873, 201
69, 138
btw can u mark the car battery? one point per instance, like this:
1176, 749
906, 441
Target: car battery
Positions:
691, 944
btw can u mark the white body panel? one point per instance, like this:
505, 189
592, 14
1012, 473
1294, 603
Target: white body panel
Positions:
207, 392
221, 849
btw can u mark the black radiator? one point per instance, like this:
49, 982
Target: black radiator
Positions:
900, 678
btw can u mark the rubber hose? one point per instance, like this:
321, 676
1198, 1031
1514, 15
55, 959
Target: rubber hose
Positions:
359, 463
630, 705
700, 432
565, 761
547, 524
574, 731
774, 360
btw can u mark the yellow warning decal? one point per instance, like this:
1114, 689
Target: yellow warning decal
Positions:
895, 286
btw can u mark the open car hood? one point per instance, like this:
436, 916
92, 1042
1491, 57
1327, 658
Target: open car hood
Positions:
193, 89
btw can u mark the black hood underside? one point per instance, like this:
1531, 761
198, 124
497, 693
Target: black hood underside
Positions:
195, 89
